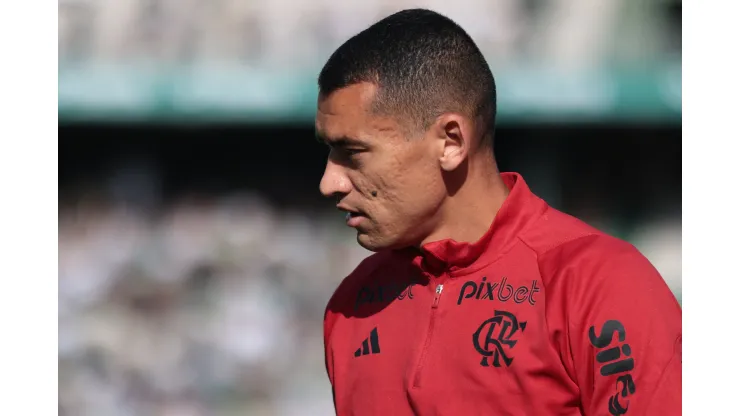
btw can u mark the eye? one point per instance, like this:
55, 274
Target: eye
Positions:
348, 157
352, 152
346, 152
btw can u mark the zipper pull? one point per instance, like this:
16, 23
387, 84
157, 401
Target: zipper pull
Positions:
437, 295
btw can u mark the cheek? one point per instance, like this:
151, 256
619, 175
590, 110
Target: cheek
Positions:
377, 179
367, 184
389, 185
401, 177
409, 181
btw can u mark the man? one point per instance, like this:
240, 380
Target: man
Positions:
480, 299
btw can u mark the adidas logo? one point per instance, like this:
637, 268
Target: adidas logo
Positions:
369, 345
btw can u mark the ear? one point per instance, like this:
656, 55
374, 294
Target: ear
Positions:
452, 130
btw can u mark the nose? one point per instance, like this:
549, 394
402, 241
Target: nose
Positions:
335, 181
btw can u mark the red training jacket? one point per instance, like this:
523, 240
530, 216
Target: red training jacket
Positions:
543, 316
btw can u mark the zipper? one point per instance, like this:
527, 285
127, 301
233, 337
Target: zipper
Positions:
437, 295
430, 333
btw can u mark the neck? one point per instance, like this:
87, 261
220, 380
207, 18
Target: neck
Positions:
467, 215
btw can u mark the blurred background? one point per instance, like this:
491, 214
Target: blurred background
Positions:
195, 252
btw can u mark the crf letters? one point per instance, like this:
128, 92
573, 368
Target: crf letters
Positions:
498, 332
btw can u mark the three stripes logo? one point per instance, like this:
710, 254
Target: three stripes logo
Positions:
369, 345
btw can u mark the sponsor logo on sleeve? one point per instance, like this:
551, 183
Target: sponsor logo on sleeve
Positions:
501, 291
615, 359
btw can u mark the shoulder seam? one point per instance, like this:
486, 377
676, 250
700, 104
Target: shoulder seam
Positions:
544, 286
538, 253
547, 322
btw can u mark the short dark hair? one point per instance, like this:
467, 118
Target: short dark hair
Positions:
423, 63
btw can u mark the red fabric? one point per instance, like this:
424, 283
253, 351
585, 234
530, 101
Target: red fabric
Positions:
543, 316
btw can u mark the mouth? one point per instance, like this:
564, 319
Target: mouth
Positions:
352, 217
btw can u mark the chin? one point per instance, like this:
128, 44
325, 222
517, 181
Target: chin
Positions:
376, 243
368, 243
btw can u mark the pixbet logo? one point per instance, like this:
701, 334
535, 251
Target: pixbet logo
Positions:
615, 362
501, 291
384, 293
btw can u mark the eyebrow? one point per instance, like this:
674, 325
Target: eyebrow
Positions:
342, 141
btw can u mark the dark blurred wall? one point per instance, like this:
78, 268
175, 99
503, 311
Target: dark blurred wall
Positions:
618, 171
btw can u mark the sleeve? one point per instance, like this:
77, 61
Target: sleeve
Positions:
624, 332
335, 308
329, 319
332, 313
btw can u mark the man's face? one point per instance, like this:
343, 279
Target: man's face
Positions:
390, 184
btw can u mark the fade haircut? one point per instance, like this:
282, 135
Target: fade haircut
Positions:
424, 65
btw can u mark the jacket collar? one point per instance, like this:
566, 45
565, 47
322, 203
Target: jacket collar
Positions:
520, 209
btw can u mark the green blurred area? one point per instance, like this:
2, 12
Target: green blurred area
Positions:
228, 94
229, 61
